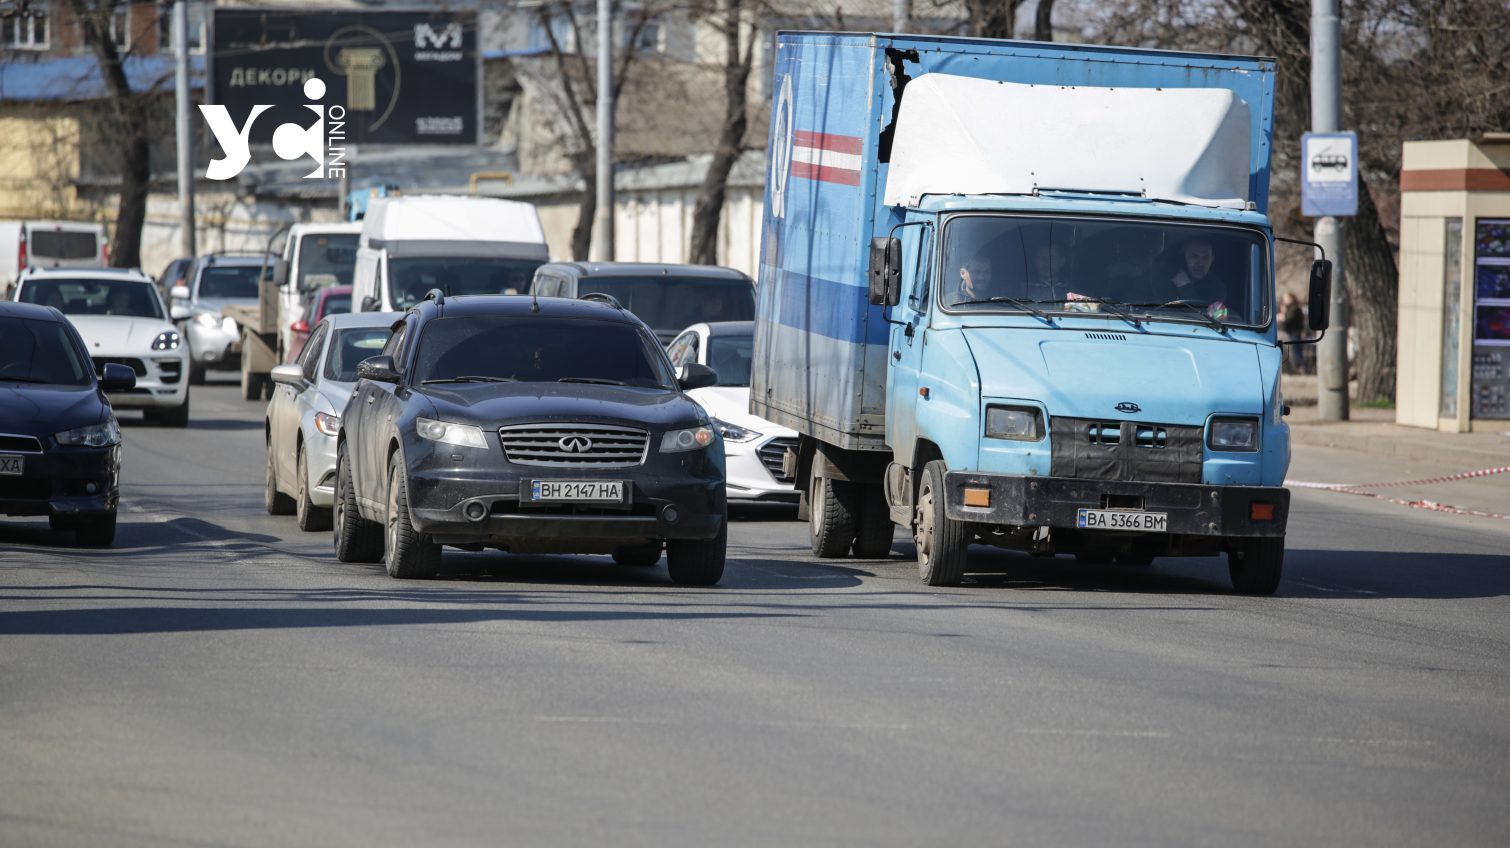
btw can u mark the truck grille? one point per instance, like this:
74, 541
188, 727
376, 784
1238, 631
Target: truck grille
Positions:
1125, 451
20, 444
579, 445
133, 363
773, 453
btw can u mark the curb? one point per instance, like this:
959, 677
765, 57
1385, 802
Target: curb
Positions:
1395, 447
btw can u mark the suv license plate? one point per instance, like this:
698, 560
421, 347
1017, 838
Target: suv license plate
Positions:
577, 491
1122, 519
12, 464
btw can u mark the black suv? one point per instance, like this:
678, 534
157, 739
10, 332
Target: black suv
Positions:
533, 426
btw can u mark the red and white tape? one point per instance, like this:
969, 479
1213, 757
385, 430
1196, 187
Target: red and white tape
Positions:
1356, 489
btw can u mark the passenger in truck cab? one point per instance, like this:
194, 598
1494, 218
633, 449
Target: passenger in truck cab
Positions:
1048, 282
1194, 278
973, 282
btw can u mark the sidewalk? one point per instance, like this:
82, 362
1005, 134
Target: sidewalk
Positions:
1374, 432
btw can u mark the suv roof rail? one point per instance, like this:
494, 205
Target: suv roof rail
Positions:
603, 297
436, 295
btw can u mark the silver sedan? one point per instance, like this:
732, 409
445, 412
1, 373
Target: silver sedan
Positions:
304, 415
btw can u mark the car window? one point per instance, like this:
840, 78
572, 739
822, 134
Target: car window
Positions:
536, 349
396, 344
730, 356
411, 278
326, 259
683, 350
671, 303
229, 281
349, 348
336, 304
309, 358
42, 352
64, 244
94, 296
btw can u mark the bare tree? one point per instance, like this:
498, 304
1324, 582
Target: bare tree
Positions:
732, 21
992, 18
1043, 21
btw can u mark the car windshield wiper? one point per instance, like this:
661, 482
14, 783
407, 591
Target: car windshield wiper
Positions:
596, 380
1024, 305
468, 379
24, 380
1191, 305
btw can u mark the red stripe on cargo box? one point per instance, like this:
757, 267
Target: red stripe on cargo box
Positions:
826, 157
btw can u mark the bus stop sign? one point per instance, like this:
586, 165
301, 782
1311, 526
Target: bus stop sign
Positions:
1329, 183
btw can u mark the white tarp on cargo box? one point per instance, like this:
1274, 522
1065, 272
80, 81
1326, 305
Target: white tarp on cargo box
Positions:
960, 135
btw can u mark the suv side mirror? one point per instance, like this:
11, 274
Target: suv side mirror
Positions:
379, 369
885, 271
117, 378
180, 313
179, 293
1319, 307
695, 376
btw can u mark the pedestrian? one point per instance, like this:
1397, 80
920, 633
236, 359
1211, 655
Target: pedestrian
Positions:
1292, 326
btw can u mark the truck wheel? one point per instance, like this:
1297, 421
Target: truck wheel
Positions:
276, 502
310, 517
356, 538
196, 374
942, 543
874, 528
698, 562
1256, 564
95, 531
251, 385
830, 515
411, 554
638, 556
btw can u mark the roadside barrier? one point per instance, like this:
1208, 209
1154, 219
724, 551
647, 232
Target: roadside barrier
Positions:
1433, 506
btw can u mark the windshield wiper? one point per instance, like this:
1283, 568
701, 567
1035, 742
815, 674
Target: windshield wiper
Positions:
468, 379
1111, 306
24, 380
1215, 322
1024, 305
595, 380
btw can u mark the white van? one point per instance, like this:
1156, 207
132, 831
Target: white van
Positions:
49, 244
315, 256
460, 245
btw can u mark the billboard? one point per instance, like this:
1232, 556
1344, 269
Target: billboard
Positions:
393, 77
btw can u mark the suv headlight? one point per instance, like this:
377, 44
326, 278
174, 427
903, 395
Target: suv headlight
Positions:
1018, 423
1233, 434
92, 436
692, 438
465, 435
208, 320
734, 432
166, 340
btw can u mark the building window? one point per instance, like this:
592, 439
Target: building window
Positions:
648, 40
120, 27
196, 15
28, 30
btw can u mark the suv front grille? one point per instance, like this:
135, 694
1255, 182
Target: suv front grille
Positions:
574, 444
773, 453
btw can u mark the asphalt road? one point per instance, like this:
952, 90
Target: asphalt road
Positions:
218, 678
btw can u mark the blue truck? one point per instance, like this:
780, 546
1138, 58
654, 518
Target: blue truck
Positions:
1022, 295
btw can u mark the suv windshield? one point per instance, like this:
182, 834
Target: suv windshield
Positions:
1143, 268
40, 352
411, 278
228, 281
668, 304
84, 296
730, 356
533, 349
326, 260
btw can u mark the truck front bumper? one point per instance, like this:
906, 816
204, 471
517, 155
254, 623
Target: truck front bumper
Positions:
1193, 509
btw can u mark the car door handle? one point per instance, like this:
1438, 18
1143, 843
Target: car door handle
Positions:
371, 398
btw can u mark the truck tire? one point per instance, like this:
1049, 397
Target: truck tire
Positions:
196, 373
698, 562
411, 554
941, 542
830, 515
309, 516
356, 538
874, 529
252, 385
276, 502
1255, 565
638, 556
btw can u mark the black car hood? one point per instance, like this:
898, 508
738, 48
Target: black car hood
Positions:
27, 409
501, 403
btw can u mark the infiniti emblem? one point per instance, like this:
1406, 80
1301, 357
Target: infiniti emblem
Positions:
575, 444
1128, 407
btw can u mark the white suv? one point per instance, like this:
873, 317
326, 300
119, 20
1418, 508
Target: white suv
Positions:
122, 319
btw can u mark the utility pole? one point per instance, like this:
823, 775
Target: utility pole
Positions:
604, 247
901, 15
181, 96
1326, 116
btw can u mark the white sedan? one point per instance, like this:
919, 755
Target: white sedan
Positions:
304, 416
753, 447
122, 320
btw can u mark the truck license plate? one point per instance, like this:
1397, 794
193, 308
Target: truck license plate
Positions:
577, 491
1122, 519
11, 464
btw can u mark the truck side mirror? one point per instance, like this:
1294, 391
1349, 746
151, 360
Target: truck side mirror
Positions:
369, 304
1319, 308
885, 271
280, 272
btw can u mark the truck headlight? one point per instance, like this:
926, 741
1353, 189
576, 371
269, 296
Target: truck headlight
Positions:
465, 435
1233, 434
92, 436
1018, 423
692, 438
734, 432
166, 340
328, 424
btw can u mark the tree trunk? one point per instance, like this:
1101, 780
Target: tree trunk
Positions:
587, 208
992, 18
1043, 21
1373, 297
707, 214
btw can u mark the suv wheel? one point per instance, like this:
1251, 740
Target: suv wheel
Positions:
698, 562
411, 554
357, 539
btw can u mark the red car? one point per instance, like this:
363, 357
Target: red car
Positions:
326, 301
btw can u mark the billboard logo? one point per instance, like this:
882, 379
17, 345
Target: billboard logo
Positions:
323, 141
449, 38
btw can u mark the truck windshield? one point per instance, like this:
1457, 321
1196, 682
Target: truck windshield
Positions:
534, 349
326, 259
671, 304
411, 278
1165, 271
233, 282
64, 244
